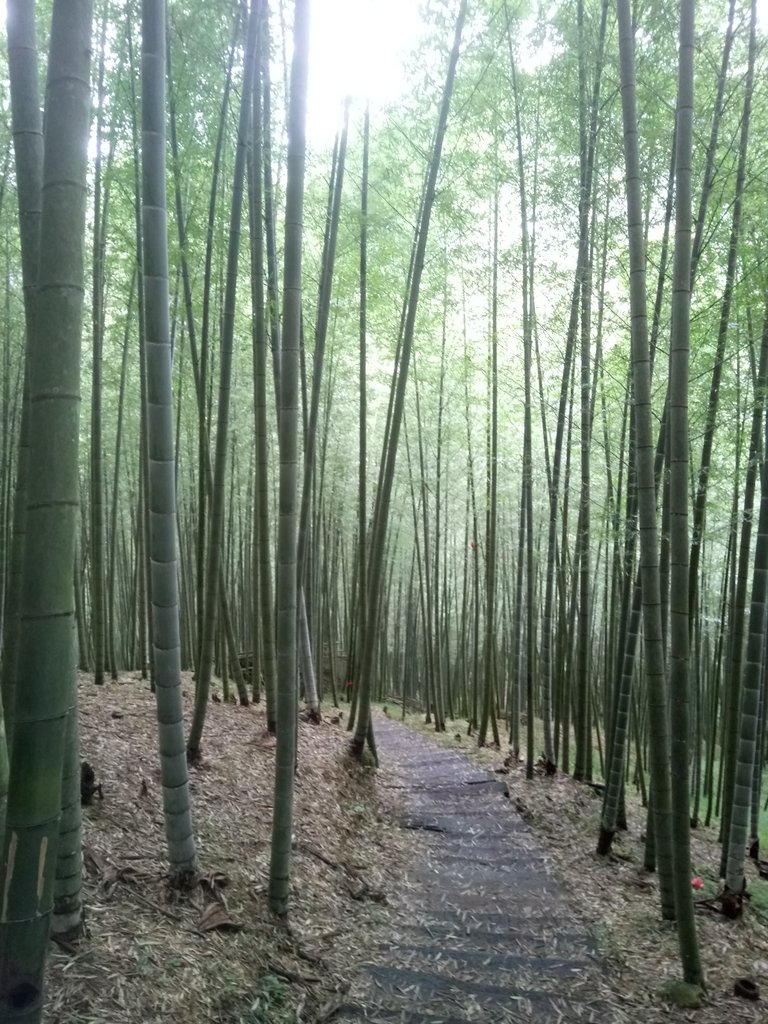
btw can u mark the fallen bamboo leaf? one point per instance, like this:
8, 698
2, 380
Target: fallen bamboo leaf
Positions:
216, 918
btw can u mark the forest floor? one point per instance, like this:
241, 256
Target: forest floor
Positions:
360, 866
217, 954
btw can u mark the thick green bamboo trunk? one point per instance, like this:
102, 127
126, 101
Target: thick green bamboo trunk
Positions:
67, 920
46, 660
748, 732
98, 603
745, 686
679, 652
27, 129
161, 498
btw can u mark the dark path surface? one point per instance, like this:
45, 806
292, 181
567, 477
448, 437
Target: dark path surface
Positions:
482, 931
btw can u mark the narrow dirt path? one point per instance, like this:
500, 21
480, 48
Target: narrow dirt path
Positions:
481, 931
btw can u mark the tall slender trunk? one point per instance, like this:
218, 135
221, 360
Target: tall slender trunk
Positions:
112, 554
679, 653
364, 729
203, 436
734, 663
492, 485
362, 499
214, 591
646, 485
310, 440
161, 496
144, 590
262, 531
747, 746
582, 769
287, 578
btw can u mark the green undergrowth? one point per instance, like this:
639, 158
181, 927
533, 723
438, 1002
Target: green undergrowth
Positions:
267, 1004
763, 824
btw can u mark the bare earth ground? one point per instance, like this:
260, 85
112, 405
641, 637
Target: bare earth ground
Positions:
359, 882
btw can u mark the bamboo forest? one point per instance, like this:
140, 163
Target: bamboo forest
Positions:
384, 511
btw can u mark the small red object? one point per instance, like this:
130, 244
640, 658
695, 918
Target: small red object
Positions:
697, 882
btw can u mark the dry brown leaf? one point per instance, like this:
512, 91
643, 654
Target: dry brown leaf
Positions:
217, 918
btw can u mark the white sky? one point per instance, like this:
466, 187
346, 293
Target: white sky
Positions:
357, 48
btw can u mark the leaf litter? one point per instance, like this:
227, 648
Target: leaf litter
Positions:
216, 953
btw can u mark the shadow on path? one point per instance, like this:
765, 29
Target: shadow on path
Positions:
481, 931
